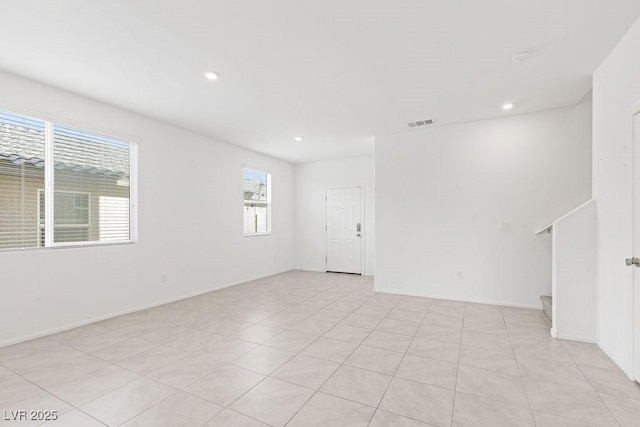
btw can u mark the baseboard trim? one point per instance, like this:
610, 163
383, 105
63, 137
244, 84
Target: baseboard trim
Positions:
613, 359
74, 325
576, 338
473, 300
335, 272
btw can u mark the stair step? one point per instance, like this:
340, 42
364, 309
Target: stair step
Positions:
547, 304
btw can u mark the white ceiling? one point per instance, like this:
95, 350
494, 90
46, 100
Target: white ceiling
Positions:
336, 71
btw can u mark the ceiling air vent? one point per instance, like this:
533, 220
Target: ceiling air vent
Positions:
421, 123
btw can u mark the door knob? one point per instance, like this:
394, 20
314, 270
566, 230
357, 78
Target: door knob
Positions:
633, 261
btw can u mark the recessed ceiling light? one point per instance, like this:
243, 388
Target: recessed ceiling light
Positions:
507, 106
298, 138
212, 75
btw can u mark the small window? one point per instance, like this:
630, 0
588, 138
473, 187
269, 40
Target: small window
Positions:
257, 202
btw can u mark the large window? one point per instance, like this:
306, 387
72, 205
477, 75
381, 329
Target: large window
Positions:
63, 186
257, 202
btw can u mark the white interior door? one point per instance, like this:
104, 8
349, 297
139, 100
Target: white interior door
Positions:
344, 230
636, 244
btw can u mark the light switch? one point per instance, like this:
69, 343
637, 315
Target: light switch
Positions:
504, 226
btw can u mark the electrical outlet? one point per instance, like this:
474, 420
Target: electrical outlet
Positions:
459, 275
504, 226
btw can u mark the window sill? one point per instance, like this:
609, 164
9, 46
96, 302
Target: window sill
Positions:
69, 246
257, 234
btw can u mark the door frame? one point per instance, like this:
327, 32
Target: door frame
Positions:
363, 235
635, 274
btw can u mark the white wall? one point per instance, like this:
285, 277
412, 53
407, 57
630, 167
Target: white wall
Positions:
616, 95
574, 274
311, 180
190, 224
442, 192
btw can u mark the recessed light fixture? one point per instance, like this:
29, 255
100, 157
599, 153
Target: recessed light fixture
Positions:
298, 138
507, 106
212, 75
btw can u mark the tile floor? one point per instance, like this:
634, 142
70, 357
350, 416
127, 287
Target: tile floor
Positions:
315, 349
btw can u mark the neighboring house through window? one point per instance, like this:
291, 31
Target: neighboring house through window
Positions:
257, 202
73, 213
63, 186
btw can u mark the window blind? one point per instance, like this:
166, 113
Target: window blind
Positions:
84, 196
22, 145
90, 167
114, 218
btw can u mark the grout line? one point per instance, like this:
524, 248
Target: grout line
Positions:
524, 389
60, 398
594, 389
455, 391
113, 364
339, 366
290, 294
269, 375
401, 360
